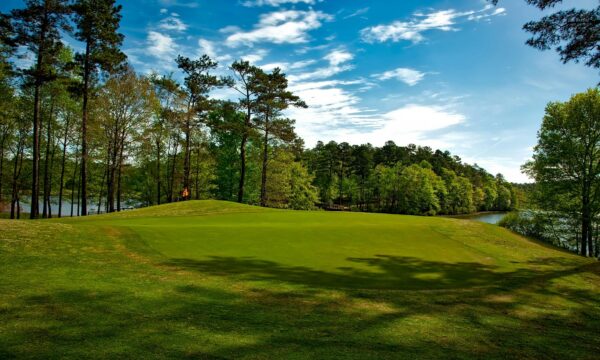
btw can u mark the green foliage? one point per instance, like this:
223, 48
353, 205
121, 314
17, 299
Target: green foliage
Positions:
290, 184
409, 180
566, 161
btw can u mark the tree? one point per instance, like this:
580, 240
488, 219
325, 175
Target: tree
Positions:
290, 183
7, 93
126, 103
574, 33
168, 95
246, 84
273, 98
421, 190
459, 197
198, 84
37, 27
97, 24
303, 195
566, 161
227, 126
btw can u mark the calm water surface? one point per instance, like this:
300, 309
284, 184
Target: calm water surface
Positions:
490, 218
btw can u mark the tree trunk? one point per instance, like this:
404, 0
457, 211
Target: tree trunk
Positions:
158, 177
243, 149
104, 176
585, 220
243, 167
84, 119
197, 192
73, 185
62, 169
47, 161
120, 169
172, 172
15, 179
79, 192
52, 154
265, 160
187, 153
35, 170
187, 157
590, 239
4, 136
112, 161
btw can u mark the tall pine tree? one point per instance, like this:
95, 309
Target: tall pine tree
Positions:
273, 98
97, 24
37, 26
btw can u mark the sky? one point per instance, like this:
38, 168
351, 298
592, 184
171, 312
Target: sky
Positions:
452, 75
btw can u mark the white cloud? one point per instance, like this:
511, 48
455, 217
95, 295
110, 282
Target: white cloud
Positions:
418, 119
334, 114
287, 66
251, 3
186, 4
209, 48
172, 23
357, 13
164, 11
408, 76
331, 108
338, 57
301, 64
412, 30
255, 57
322, 73
161, 45
280, 27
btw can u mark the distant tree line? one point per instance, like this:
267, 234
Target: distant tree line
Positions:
85, 130
404, 179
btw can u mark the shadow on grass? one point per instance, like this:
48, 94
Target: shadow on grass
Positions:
382, 272
343, 314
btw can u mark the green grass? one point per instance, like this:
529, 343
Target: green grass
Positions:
214, 280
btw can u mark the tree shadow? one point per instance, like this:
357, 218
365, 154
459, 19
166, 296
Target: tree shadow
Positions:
381, 272
465, 310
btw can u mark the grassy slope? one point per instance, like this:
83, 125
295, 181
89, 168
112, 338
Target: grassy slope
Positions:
219, 280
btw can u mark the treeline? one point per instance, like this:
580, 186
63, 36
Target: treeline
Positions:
85, 130
404, 179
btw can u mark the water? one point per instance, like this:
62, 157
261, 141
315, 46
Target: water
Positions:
490, 217
66, 206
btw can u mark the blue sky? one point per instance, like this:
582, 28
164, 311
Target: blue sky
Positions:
454, 75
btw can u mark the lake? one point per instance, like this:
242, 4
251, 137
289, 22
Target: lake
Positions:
486, 217
66, 208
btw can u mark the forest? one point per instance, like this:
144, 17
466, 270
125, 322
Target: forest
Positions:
84, 133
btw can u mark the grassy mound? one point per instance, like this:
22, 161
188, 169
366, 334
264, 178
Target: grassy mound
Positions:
210, 279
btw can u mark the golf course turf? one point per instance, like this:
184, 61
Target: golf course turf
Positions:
218, 280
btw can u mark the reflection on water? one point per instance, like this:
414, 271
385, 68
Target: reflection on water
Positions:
490, 218
67, 208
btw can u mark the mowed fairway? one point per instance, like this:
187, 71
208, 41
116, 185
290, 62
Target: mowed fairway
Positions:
214, 280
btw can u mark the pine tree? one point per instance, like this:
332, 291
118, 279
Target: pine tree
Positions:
97, 24
37, 27
273, 98
198, 84
246, 84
